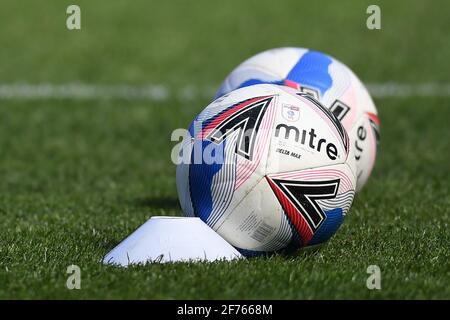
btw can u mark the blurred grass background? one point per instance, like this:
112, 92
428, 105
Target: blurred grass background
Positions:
178, 42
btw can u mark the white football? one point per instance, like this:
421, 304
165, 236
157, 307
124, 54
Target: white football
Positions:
270, 169
327, 80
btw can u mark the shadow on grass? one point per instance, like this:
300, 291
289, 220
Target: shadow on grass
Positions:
301, 253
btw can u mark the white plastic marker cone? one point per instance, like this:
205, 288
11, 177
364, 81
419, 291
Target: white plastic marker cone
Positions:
171, 239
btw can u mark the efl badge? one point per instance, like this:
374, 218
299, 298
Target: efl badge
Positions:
290, 112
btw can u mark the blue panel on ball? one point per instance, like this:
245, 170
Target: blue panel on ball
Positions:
311, 70
247, 83
328, 227
191, 128
200, 180
252, 82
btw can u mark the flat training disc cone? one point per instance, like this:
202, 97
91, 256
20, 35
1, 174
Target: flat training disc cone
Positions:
171, 239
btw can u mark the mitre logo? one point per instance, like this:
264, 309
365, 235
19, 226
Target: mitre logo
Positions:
307, 138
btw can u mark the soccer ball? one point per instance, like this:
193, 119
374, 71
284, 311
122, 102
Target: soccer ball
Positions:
325, 79
268, 168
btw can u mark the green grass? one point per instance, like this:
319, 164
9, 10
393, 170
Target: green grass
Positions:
79, 176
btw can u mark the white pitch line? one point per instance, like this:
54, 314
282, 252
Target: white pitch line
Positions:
403, 90
82, 91
159, 92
